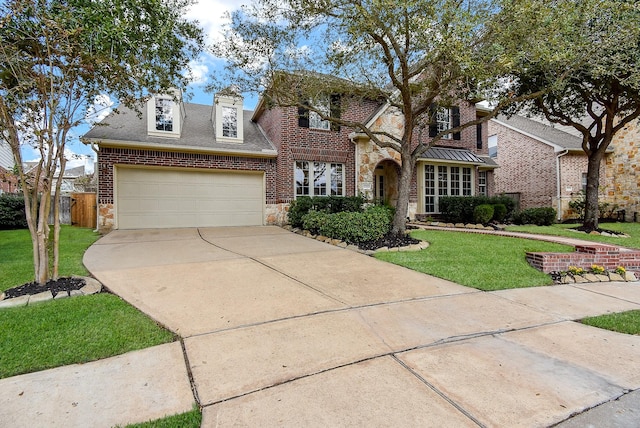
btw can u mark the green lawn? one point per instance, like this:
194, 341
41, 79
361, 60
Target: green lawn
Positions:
485, 262
16, 261
624, 322
191, 419
73, 330
65, 331
631, 229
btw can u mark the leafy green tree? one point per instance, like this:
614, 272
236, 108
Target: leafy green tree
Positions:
595, 44
56, 57
408, 55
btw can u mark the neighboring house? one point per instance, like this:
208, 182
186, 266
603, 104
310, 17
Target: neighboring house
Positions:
69, 178
6, 156
190, 165
540, 165
8, 182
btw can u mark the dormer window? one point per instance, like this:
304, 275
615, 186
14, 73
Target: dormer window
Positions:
229, 122
165, 115
227, 116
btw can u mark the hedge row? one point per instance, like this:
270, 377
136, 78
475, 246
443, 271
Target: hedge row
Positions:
12, 215
460, 209
545, 216
329, 204
351, 227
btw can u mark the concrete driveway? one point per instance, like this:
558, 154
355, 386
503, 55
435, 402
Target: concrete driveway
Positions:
282, 330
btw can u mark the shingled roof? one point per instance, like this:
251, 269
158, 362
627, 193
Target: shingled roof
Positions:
544, 133
127, 129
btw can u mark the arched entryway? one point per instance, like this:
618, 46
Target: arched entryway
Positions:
385, 182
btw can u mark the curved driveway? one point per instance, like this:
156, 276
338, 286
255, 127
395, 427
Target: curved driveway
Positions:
282, 330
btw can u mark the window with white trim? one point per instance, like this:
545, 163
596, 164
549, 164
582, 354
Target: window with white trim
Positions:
449, 181
229, 122
443, 119
482, 183
324, 106
164, 114
319, 179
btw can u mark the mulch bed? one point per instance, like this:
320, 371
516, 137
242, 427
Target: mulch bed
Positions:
57, 286
389, 241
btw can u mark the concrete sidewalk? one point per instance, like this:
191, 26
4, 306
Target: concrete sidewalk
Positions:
282, 330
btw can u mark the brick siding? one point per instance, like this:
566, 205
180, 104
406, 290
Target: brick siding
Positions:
297, 143
110, 157
528, 167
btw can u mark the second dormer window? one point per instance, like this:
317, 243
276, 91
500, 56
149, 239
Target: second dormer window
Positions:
164, 114
229, 122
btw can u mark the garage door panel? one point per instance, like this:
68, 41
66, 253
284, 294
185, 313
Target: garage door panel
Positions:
158, 198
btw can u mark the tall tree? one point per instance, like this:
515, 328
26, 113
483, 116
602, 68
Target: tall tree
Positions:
409, 54
56, 57
596, 45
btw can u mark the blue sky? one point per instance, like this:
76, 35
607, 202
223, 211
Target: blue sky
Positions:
210, 14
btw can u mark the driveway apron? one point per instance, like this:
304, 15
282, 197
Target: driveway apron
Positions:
283, 330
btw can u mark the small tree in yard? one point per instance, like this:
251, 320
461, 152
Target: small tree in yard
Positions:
410, 55
596, 44
57, 56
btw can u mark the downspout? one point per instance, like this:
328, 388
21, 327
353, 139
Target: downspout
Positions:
96, 171
558, 185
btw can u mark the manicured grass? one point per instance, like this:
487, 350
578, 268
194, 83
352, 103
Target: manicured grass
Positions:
485, 262
191, 419
16, 260
72, 330
66, 331
623, 322
631, 229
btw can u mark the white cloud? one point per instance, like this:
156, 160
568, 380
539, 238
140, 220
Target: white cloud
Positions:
211, 14
102, 106
199, 71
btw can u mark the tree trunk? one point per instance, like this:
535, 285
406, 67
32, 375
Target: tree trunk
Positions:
404, 189
591, 211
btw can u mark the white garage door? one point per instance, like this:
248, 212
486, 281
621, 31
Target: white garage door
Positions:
163, 198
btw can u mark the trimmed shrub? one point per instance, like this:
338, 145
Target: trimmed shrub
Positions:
499, 212
483, 213
329, 204
545, 216
12, 215
352, 227
459, 209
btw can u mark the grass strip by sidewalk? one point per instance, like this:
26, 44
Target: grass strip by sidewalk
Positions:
65, 331
16, 263
623, 322
191, 419
73, 330
485, 262
631, 229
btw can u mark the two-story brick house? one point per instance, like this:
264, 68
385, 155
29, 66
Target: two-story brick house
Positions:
188, 165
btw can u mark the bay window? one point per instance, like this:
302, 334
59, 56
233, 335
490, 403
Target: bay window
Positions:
444, 180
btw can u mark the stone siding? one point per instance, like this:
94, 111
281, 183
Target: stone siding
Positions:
623, 171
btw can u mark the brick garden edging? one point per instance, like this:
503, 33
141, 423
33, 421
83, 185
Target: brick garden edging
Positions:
607, 256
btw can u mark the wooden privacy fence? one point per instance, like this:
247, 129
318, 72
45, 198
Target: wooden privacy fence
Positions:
83, 209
